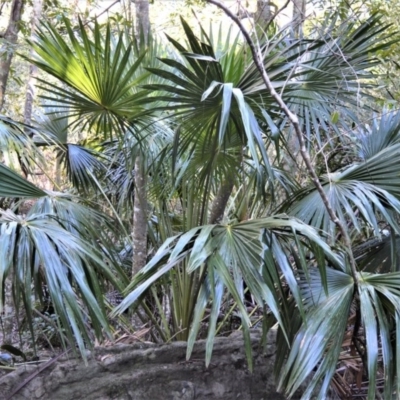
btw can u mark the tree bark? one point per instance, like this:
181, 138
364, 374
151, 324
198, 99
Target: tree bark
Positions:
220, 201
8, 312
10, 38
30, 86
139, 233
299, 14
263, 13
142, 16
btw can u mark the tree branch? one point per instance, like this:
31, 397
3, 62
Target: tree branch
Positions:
258, 60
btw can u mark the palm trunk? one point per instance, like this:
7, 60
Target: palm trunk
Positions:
139, 234
8, 313
220, 201
10, 37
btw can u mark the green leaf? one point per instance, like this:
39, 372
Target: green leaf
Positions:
13, 185
371, 335
335, 117
40, 250
318, 342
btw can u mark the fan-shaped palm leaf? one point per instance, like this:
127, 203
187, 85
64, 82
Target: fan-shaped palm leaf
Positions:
214, 113
253, 252
51, 128
333, 72
79, 219
98, 74
16, 145
153, 143
385, 132
319, 340
13, 185
363, 189
318, 343
83, 165
39, 250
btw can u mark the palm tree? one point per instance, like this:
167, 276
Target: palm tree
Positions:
214, 249
225, 222
54, 247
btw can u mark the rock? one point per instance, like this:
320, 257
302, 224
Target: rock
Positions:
151, 372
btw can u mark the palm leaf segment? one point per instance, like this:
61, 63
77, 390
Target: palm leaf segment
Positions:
98, 73
364, 190
83, 165
332, 72
13, 185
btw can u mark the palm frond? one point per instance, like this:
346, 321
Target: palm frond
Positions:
384, 132
83, 166
229, 257
13, 185
97, 71
332, 71
380, 302
16, 145
363, 190
52, 128
213, 110
318, 343
40, 250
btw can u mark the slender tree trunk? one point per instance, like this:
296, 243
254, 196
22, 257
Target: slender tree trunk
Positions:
30, 87
299, 14
263, 13
139, 234
290, 158
10, 37
8, 312
142, 16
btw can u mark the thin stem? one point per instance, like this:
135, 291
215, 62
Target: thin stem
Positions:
257, 57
